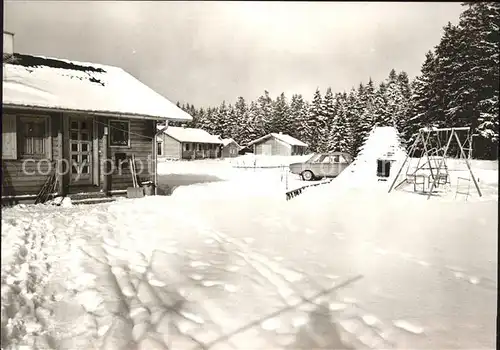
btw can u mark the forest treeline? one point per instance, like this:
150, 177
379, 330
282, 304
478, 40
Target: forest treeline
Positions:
458, 86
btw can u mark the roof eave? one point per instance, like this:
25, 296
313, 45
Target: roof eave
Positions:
189, 141
100, 113
258, 140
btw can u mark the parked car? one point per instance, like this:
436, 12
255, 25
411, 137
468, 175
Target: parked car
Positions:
322, 165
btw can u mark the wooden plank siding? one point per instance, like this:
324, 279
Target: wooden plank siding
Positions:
21, 176
141, 146
278, 148
230, 150
172, 148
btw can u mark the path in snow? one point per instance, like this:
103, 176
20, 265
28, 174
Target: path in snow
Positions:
172, 284
172, 271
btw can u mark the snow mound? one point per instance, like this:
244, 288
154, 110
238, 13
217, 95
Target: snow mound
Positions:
382, 143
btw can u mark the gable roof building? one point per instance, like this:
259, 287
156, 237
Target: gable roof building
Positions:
230, 148
57, 111
188, 143
277, 144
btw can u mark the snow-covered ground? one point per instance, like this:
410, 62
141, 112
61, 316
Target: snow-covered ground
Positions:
240, 178
188, 268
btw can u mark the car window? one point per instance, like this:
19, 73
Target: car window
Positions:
314, 158
336, 158
343, 159
320, 158
326, 159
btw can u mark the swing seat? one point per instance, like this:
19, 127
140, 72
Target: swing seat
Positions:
416, 179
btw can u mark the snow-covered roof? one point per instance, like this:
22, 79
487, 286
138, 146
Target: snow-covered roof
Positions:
228, 141
182, 134
282, 137
42, 82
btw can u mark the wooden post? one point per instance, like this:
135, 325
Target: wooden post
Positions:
105, 185
441, 163
66, 153
406, 159
60, 160
468, 165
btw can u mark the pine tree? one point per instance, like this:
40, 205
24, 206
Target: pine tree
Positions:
447, 56
395, 100
220, 119
201, 120
230, 124
280, 121
241, 115
405, 89
352, 120
265, 104
316, 123
366, 96
423, 103
340, 136
299, 116
251, 125
381, 113
329, 114
210, 120
474, 87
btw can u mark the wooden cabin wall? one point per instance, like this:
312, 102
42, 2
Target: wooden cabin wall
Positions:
141, 146
17, 182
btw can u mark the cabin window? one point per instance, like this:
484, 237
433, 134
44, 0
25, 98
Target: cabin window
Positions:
159, 148
33, 139
199, 147
119, 133
186, 147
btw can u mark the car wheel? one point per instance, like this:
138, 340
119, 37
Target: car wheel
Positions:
307, 175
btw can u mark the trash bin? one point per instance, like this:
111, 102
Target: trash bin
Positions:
383, 168
149, 188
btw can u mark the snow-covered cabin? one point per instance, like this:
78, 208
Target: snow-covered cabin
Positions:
81, 121
277, 144
230, 148
179, 142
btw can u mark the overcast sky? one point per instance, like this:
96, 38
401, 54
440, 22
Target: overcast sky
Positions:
206, 52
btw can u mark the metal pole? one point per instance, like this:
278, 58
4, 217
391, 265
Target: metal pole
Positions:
406, 159
440, 163
427, 154
449, 129
468, 166
470, 145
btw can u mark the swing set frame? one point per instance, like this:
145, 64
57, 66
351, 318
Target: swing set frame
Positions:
438, 170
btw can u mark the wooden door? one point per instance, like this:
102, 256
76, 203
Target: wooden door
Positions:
80, 144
